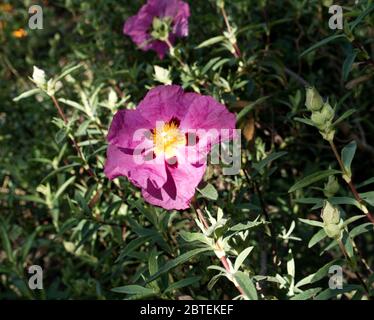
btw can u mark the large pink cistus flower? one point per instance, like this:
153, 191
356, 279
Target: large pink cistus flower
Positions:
162, 145
157, 22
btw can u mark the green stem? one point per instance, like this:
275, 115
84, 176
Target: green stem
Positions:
350, 183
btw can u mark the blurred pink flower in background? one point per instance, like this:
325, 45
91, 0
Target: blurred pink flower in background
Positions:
159, 132
158, 22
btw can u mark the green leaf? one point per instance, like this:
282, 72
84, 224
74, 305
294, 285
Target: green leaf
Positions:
322, 43
63, 187
248, 225
210, 42
348, 153
305, 121
352, 219
27, 94
368, 197
246, 284
134, 290
366, 227
308, 294
273, 156
241, 257
312, 179
320, 274
323, 272
339, 201
68, 71
196, 236
365, 183
6, 242
320, 235
312, 222
131, 246
361, 17
249, 107
347, 65
182, 283
176, 262
209, 192
331, 293
344, 116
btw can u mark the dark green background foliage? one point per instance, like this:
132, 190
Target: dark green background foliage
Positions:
91, 235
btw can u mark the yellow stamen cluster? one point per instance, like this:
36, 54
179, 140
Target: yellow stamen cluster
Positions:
167, 138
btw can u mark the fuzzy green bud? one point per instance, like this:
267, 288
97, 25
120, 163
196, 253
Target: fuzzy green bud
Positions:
330, 214
220, 3
333, 231
318, 119
328, 112
38, 76
314, 101
331, 187
331, 221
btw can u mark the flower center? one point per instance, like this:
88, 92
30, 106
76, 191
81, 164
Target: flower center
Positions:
167, 138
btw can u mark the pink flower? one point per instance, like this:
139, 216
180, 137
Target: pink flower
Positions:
157, 21
162, 146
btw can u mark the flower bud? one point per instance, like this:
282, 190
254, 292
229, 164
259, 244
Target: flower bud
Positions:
220, 3
333, 231
38, 76
112, 97
330, 214
331, 187
314, 101
328, 112
318, 119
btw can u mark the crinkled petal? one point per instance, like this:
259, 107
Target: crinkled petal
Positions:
128, 129
211, 120
122, 162
179, 188
163, 103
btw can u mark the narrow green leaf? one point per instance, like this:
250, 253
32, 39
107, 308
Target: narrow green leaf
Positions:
322, 43
348, 153
312, 222
344, 116
249, 107
366, 227
332, 293
177, 261
347, 65
246, 284
6, 242
368, 197
273, 156
307, 294
305, 121
361, 17
27, 94
182, 283
365, 183
134, 290
210, 42
241, 257
209, 192
320, 235
312, 179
